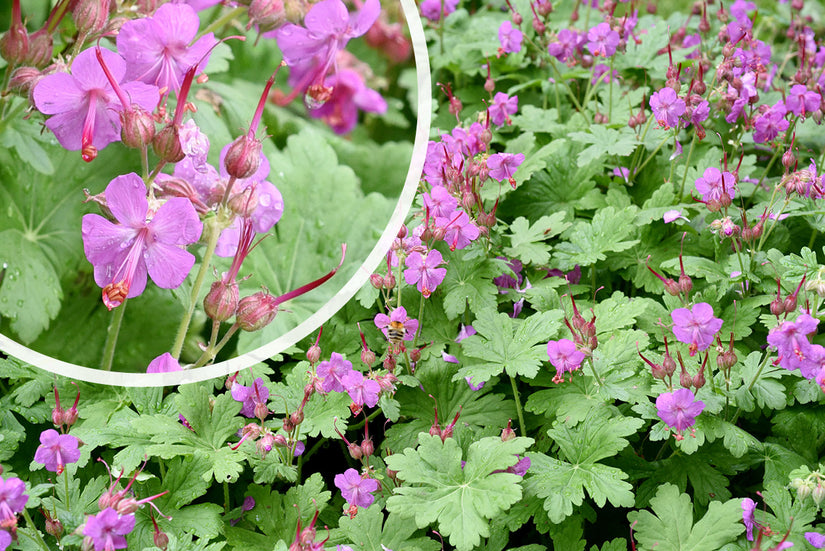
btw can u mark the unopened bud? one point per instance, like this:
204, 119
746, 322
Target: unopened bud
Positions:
355, 451
70, 416
685, 283
788, 159
160, 539
54, 527
377, 281
672, 288
668, 365
389, 281
296, 417
390, 363
243, 157
489, 85
714, 205
256, 311
789, 304
685, 379
724, 199
818, 493
367, 447
367, 356
166, 144
127, 506
23, 79
517, 18
803, 489
468, 200
14, 45
41, 48
138, 127
266, 14
699, 379
244, 203
415, 354
90, 16
57, 416
314, 354
402, 232
261, 411
538, 26
507, 433
221, 301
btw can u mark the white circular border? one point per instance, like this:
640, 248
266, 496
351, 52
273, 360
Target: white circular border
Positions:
424, 93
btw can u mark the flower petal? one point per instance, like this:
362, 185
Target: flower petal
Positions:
126, 198
168, 265
176, 223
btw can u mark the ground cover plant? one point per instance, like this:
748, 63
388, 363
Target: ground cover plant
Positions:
597, 330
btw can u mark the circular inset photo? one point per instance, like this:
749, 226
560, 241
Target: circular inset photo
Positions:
191, 188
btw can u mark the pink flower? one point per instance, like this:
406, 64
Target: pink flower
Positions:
349, 95
107, 529
361, 390
252, 397
123, 253
509, 37
355, 489
748, 508
164, 363
713, 183
667, 107
801, 101
85, 107
459, 230
502, 166
602, 40
310, 51
423, 272
816, 539
12, 498
56, 450
439, 202
678, 409
333, 372
434, 9
503, 106
792, 345
564, 356
696, 327
382, 322
157, 49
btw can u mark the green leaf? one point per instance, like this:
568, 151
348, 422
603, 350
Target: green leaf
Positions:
370, 531
598, 437
507, 344
618, 312
588, 242
766, 391
605, 141
670, 527
526, 239
469, 281
460, 500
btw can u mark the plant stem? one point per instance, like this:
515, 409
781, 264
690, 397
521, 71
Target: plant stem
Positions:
37, 537
520, 414
420, 321
183, 328
226, 498
222, 20
753, 382
66, 486
111, 337
687, 164
595, 373
210, 353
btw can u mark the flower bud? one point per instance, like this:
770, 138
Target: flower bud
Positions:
377, 281
402, 232
57, 416
415, 354
244, 203
788, 159
90, 16
699, 379
789, 303
243, 157
685, 379
355, 451
296, 417
507, 433
267, 14
23, 79
256, 311
668, 365
54, 527
261, 411
314, 354
489, 85
221, 301
538, 26
486, 219
389, 281
367, 356
818, 493
803, 489
14, 45
70, 416
367, 447
166, 144
517, 18
126, 506
685, 283
160, 539
468, 200
138, 127
41, 48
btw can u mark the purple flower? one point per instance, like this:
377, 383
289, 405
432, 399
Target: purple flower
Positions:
602, 40
122, 254
565, 357
503, 106
673, 215
816, 539
333, 372
768, 124
164, 363
157, 49
195, 145
568, 45
748, 508
506, 281
469, 380
502, 166
423, 272
801, 101
361, 390
349, 94
107, 529
12, 498
792, 345
667, 107
56, 450
310, 51
433, 9
85, 108
713, 183
5, 540
270, 202
520, 468
439, 202
678, 409
382, 322
355, 489
696, 327
464, 332
459, 230
509, 37
250, 396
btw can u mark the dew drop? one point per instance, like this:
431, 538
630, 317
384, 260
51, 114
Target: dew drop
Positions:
312, 103
19, 303
265, 200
